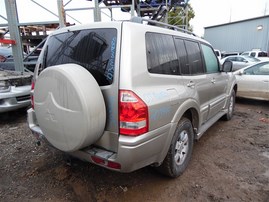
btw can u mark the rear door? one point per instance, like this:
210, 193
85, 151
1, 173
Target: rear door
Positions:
193, 74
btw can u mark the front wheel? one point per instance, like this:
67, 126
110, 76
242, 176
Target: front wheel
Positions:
179, 153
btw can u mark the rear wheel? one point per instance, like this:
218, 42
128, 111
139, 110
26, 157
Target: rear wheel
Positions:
179, 154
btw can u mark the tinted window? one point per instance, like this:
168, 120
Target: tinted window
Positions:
182, 56
194, 57
93, 49
211, 60
262, 54
161, 54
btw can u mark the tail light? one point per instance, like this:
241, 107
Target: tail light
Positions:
2, 58
133, 114
32, 94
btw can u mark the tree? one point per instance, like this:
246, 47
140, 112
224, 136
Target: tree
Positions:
177, 16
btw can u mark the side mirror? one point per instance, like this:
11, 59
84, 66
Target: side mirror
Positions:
227, 66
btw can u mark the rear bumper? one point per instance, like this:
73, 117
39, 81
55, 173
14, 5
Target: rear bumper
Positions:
133, 152
17, 97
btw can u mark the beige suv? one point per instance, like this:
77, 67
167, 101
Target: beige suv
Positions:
125, 95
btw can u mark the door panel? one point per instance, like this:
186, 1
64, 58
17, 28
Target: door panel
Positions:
253, 86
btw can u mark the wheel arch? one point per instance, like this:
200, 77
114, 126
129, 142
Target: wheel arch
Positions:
190, 110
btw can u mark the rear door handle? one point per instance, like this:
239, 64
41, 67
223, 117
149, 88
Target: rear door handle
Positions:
191, 84
213, 80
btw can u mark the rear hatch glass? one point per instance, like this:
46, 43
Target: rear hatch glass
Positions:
93, 49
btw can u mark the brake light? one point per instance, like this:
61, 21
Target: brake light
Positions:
32, 94
2, 58
133, 114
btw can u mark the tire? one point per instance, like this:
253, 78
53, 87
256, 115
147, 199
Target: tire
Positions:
231, 106
69, 107
180, 150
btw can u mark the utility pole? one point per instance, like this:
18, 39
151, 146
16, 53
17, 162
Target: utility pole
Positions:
97, 12
13, 26
61, 13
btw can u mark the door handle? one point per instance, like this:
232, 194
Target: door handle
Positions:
191, 84
213, 80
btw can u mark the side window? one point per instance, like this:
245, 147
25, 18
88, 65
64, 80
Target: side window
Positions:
182, 57
262, 54
211, 61
231, 59
240, 59
252, 54
161, 54
259, 69
194, 56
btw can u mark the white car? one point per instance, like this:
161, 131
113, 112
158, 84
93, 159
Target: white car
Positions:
262, 55
253, 81
240, 61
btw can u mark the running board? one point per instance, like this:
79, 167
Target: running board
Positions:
209, 123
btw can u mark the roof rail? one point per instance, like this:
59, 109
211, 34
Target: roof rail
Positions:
154, 22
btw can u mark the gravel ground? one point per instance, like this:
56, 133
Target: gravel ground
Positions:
229, 163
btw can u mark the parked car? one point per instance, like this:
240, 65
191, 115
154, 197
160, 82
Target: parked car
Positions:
218, 54
240, 61
125, 95
253, 81
7, 60
14, 90
262, 55
226, 54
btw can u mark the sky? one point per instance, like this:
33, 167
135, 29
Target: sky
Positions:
207, 12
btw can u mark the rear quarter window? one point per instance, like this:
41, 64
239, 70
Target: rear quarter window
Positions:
93, 49
161, 54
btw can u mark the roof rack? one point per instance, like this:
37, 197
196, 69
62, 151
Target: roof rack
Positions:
154, 22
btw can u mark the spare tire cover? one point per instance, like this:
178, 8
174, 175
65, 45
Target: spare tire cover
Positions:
69, 106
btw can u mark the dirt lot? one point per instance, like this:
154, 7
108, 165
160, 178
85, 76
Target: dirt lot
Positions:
230, 163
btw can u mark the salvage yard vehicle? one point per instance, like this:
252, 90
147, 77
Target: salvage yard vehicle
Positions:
261, 55
15, 90
253, 81
125, 95
7, 60
240, 61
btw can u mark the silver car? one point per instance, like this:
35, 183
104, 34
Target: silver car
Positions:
240, 61
253, 81
125, 95
14, 90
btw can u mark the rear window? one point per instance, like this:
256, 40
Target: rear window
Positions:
262, 54
93, 49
